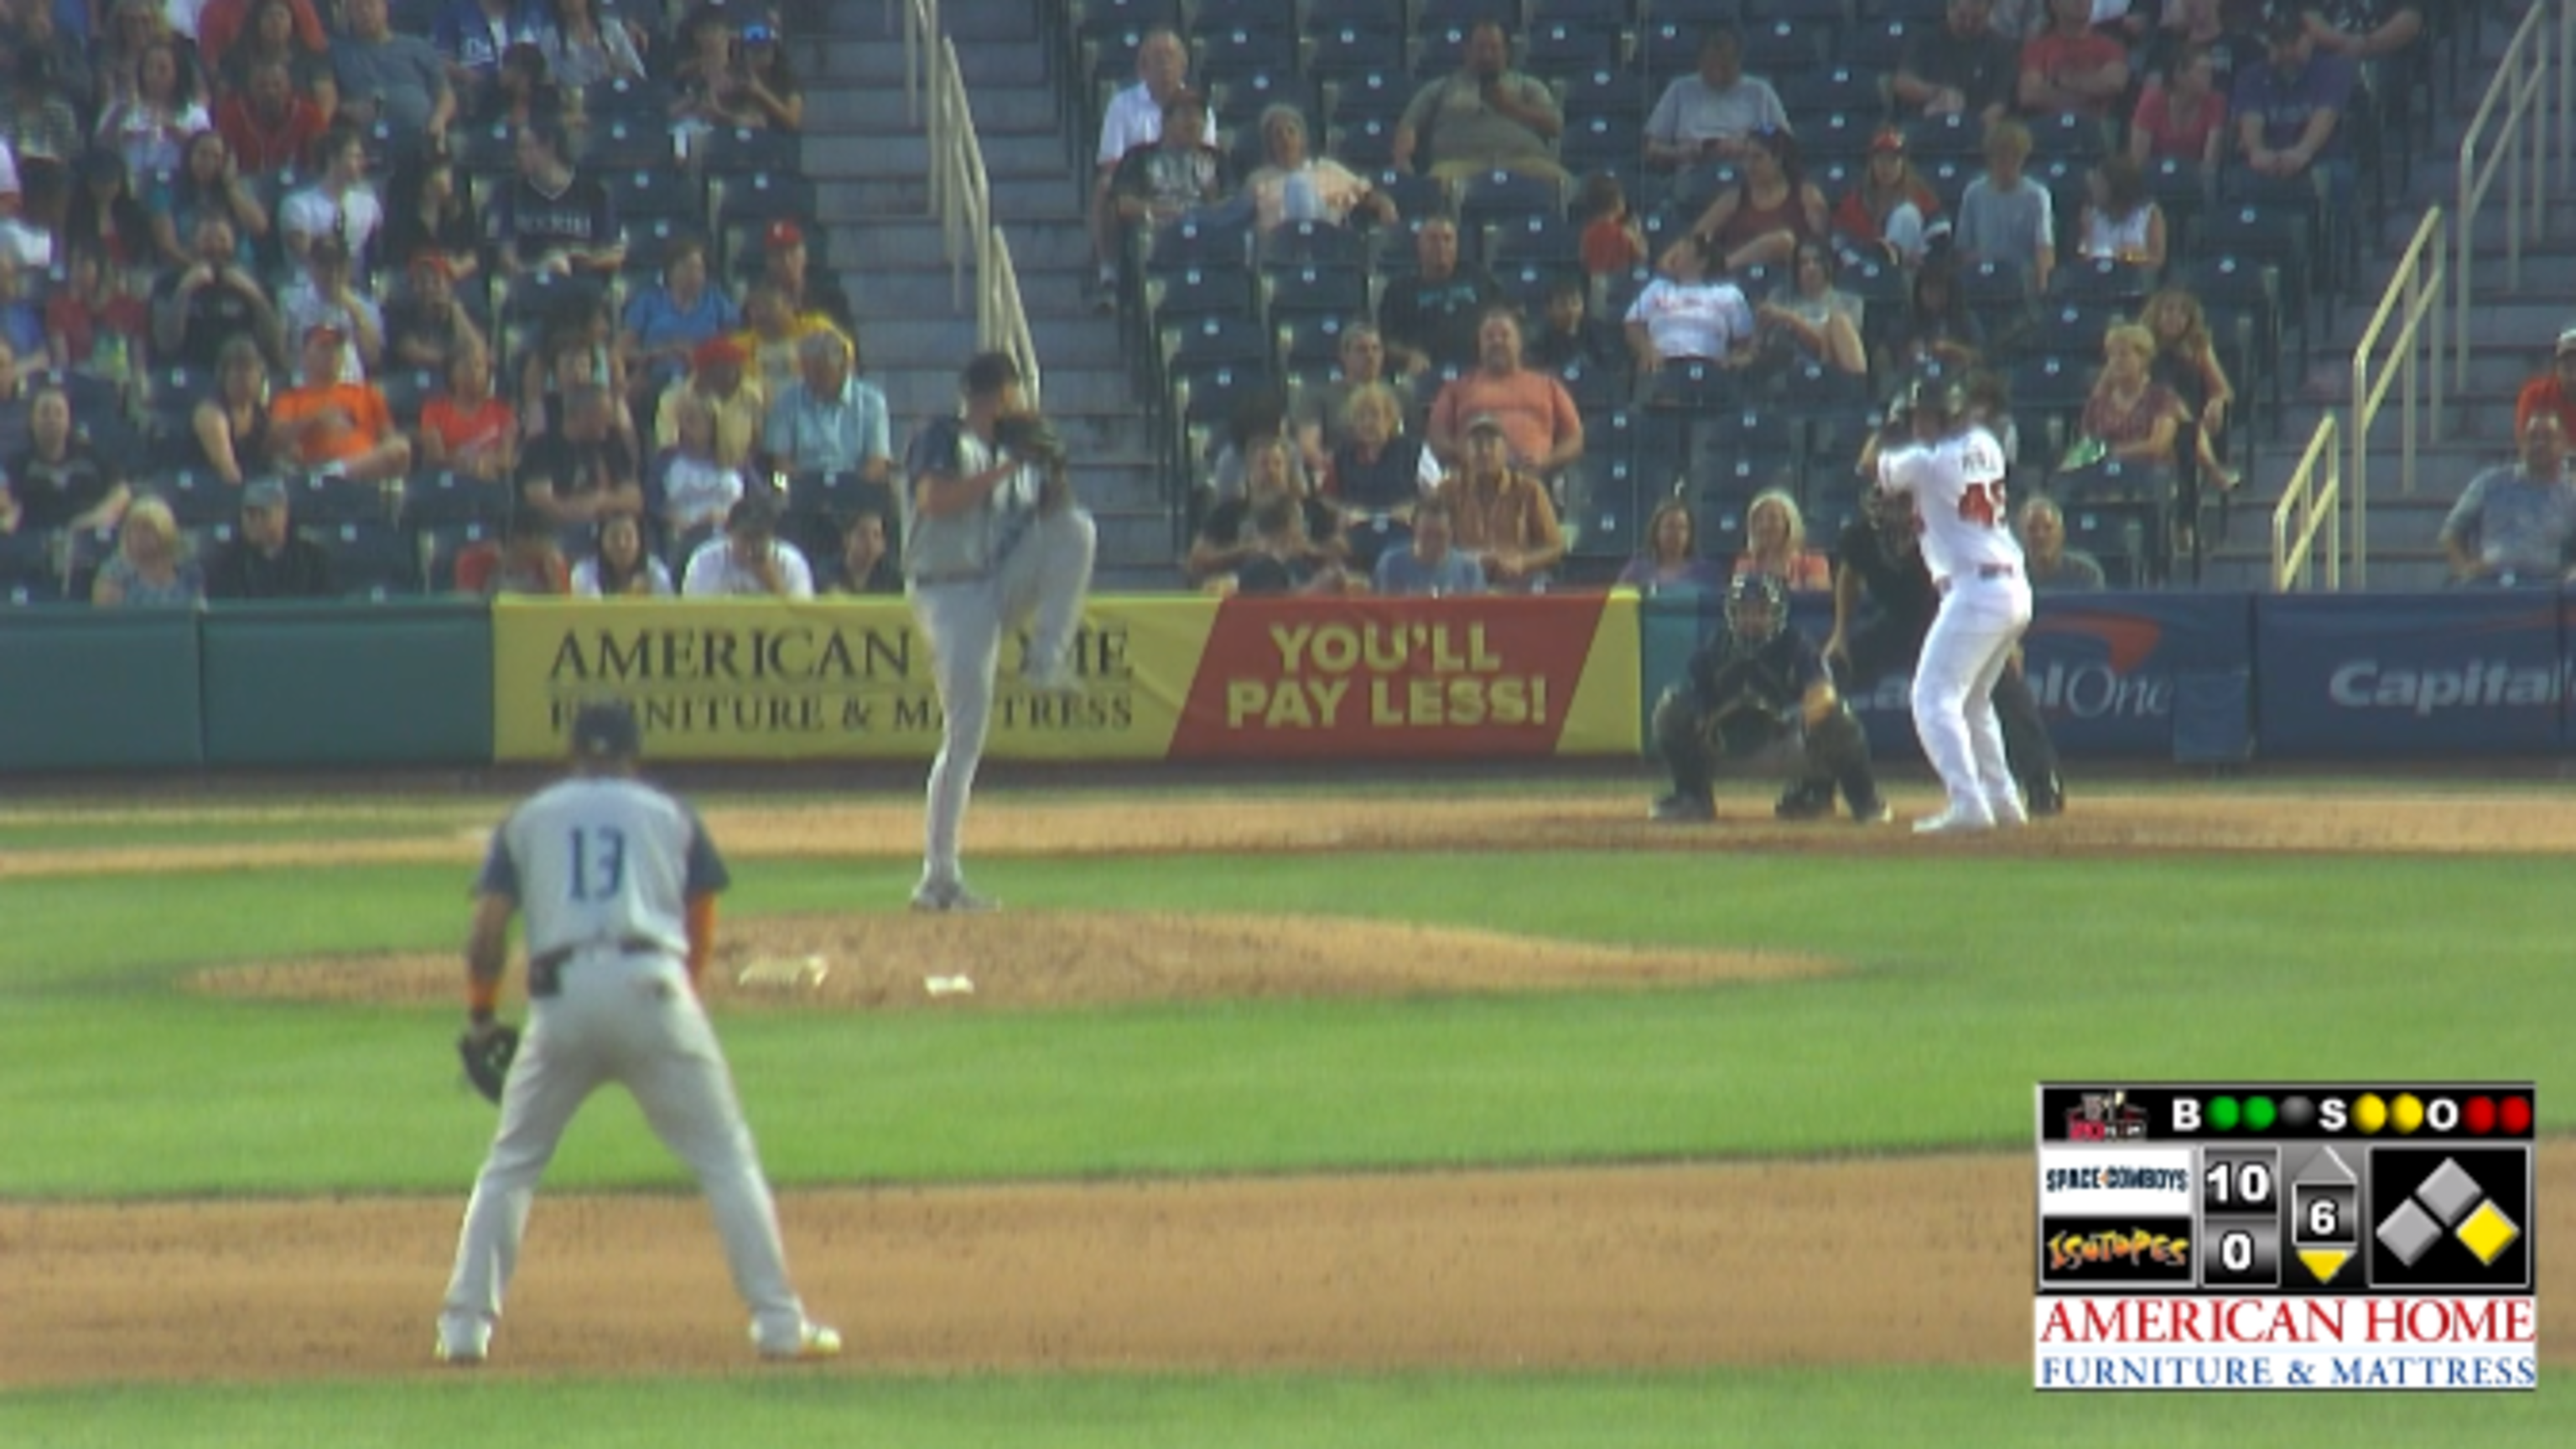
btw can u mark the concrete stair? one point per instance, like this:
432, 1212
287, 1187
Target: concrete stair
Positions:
2512, 331
870, 164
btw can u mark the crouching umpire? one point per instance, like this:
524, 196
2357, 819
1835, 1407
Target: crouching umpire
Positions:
1757, 696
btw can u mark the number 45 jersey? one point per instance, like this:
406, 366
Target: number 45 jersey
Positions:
1957, 484
602, 859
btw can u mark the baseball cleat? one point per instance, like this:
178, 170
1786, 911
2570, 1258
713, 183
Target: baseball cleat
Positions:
467, 1350
1682, 809
1805, 802
951, 896
813, 1341
2048, 796
1062, 679
1874, 812
1953, 821
2008, 809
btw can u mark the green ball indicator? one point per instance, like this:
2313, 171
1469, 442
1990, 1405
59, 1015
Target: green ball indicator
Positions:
2223, 1113
2258, 1114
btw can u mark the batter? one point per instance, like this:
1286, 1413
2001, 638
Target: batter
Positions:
1953, 472
991, 537
618, 882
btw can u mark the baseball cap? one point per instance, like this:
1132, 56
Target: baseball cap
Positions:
785, 233
2567, 342
1484, 423
606, 730
1888, 139
320, 330
716, 352
264, 493
759, 33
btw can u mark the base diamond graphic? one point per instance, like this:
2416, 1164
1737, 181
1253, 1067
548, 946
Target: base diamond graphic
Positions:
2450, 1192
2487, 1233
2408, 1231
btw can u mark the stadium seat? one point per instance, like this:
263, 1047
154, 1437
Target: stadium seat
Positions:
1955, 137
1361, 60
197, 498
1506, 197
1195, 243
27, 573
2099, 279
1850, 87
1537, 238
1205, 343
732, 151
325, 501
1460, 14
639, 100
441, 545
441, 499
1312, 243
765, 195
2055, 384
1875, 47
1292, 294
1309, 349
1556, 47
372, 560
1438, 51
1211, 16
646, 194
621, 144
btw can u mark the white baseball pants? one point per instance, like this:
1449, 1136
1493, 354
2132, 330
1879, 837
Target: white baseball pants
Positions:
1971, 641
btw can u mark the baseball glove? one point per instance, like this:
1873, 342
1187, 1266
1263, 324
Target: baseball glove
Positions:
488, 1054
1030, 436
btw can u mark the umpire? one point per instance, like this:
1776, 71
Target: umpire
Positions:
1878, 558
1758, 694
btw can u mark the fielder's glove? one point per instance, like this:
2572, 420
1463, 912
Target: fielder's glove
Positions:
1030, 436
488, 1052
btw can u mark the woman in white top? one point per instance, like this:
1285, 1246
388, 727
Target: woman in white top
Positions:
1689, 314
620, 568
697, 491
1292, 185
1816, 317
2120, 221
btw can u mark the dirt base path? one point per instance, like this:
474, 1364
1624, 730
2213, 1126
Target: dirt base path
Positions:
1878, 1261
2105, 823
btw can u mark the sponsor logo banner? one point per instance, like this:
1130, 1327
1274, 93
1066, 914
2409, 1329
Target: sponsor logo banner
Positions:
2411, 674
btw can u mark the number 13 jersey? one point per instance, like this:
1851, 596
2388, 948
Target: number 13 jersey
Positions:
602, 859
1957, 485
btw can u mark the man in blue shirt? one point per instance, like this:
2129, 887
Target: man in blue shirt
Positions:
2289, 113
828, 421
1431, 566
2514, 523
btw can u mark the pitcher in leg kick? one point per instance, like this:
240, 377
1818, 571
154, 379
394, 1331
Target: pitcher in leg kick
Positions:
1757, 695
617, 882
1952, 471
992, 536
1883, 607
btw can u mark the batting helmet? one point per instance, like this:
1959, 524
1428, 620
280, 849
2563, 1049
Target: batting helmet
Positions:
1935, 405
1757, 607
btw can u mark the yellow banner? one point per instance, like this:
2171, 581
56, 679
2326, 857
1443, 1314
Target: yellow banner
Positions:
1182, 676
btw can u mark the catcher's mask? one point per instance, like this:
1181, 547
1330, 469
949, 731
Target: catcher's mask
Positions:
1757, 608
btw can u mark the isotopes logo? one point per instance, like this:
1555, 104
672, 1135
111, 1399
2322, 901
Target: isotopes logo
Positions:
2070, 1251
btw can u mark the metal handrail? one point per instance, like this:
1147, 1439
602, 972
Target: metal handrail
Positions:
2307, 510
2418, 285
2514, 97
961, 195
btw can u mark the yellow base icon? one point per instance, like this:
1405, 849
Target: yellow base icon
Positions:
2325, 1262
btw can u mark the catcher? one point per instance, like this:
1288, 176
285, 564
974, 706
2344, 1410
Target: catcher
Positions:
1758, 694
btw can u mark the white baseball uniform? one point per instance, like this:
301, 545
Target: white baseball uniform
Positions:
601, 868
1956, 484
972, 576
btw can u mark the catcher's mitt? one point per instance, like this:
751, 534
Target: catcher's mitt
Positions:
488, 1054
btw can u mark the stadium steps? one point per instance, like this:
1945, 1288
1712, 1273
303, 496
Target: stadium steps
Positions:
870, 164
2512, 329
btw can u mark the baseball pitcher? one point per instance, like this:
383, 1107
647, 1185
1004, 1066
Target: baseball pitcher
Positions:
1953, 473
1757, 695
617, 882
991, 536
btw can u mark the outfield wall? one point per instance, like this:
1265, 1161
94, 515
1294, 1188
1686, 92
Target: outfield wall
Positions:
2200, 677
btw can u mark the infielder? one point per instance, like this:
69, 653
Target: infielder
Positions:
1758, 694
618, 883
991, 536
1953, 473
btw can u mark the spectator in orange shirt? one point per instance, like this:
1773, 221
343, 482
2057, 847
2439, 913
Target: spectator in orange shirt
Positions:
2552, 391
467, 428
334, 427
1539, 421
1505, 520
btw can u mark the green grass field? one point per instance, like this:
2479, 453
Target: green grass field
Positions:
1970, 979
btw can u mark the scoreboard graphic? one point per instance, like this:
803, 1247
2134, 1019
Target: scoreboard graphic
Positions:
2280, 1235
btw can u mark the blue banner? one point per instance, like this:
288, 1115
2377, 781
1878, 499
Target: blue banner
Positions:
2466, 672
2103, 667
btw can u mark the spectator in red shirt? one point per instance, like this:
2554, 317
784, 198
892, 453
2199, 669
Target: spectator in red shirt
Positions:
268, 126
2071, 68
2182, 114
90, 306
221, 22
2552, 391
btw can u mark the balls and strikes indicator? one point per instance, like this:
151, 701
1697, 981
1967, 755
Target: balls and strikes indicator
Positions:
2259, 1115
2298, 1114
2222, 1113
2405, 1114
2513, 1114
2369, 1114
2478, 1114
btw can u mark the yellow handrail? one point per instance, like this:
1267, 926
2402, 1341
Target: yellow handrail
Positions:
2306, 514
2514, 97
2418, 285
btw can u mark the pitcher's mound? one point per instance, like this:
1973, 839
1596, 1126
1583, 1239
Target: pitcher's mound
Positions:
1053, 959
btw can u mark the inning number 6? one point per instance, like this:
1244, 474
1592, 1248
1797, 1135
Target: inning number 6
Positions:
1982, 503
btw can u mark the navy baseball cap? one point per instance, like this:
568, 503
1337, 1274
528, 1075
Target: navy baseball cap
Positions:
606, 730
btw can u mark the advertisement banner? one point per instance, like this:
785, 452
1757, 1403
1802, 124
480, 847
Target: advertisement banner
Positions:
1395, 679
2103, 667
1182, 676
2464, 672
